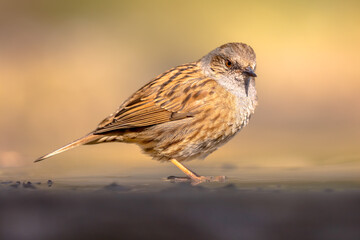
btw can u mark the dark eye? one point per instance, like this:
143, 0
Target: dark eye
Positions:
228, 63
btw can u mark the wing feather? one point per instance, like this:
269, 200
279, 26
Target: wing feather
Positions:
166, 98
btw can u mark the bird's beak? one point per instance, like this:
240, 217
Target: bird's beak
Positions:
250, 72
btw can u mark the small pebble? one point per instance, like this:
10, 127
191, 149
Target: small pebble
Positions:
28, 185
116, 187
49, 183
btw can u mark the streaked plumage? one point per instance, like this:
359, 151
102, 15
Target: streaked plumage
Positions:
188, 111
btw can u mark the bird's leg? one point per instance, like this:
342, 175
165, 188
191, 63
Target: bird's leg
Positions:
193, 177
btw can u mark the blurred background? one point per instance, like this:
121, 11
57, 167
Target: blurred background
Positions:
66, 65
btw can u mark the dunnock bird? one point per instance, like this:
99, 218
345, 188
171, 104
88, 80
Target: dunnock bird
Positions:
187, 112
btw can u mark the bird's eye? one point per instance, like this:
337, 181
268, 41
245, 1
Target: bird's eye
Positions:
228, 63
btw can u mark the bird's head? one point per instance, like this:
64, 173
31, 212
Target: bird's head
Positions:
231, 63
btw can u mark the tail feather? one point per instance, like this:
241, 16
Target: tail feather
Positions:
81, 141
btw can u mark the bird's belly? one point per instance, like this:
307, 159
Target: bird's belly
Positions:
203, 148
194, 139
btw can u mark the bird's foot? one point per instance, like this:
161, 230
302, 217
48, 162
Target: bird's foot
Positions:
195, 180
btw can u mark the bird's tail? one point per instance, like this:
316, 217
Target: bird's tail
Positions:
88, 139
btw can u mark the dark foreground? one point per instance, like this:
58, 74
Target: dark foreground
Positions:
179, 211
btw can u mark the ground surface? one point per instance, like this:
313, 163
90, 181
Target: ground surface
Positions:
125, 208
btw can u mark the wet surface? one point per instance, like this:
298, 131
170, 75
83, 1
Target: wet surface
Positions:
133, 208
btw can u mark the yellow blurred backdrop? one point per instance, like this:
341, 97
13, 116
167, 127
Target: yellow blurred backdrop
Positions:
65, 65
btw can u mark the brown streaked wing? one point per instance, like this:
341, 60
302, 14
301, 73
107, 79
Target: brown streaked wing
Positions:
172, 96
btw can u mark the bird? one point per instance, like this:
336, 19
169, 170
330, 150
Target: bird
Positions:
187, 112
